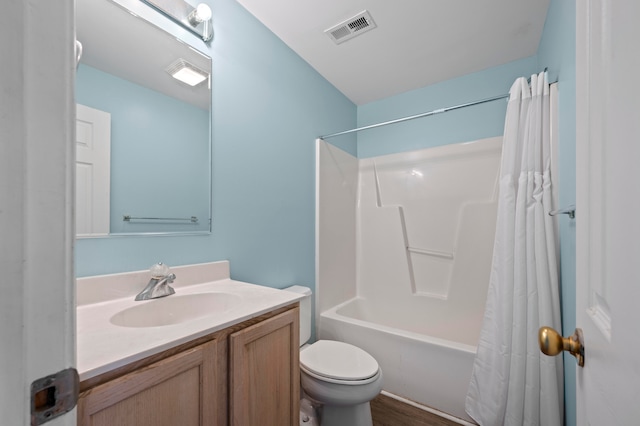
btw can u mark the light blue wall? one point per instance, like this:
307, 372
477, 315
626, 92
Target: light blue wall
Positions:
477, 122
159, 153
268, 107
557, 51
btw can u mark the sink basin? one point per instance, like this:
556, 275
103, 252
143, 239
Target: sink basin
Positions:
174, 309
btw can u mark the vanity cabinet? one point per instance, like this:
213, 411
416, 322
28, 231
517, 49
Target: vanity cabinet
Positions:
247, 374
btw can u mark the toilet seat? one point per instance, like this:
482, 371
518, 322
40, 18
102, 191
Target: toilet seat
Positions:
340, 382
338, 362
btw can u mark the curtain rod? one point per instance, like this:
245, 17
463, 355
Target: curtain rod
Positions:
412, 117
424, 114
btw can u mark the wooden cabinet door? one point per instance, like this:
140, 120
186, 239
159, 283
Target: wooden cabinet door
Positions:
178, 390
265, 373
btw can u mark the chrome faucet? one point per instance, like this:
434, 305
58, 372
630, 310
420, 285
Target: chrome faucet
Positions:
158, 285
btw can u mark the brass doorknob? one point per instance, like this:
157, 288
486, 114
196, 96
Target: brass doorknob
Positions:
552, 343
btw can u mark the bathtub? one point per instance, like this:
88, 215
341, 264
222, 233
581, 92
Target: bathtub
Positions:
431, 371
404, 247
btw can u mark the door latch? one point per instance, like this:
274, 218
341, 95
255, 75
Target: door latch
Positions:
54, 395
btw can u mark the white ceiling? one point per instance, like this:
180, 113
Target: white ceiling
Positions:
416, 42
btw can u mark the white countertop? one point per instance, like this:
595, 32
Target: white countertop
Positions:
103, 346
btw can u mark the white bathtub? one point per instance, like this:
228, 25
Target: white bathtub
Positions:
431, 371
404, 245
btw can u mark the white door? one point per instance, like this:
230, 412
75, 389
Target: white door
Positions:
608, 211
37, 290
93, 171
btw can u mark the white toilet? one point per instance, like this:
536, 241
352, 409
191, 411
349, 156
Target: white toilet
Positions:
341, 377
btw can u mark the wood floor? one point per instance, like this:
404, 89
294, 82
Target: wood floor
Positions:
387, 411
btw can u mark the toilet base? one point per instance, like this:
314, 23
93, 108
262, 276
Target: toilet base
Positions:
308, 413
349, 415
341, 404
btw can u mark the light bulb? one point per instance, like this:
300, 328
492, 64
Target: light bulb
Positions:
201, 13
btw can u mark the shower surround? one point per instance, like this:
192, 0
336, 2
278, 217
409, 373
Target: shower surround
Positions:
404, 246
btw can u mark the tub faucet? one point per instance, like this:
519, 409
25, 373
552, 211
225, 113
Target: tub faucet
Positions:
158, 285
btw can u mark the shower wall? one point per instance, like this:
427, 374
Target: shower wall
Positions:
408, 229
336, 197
426, 224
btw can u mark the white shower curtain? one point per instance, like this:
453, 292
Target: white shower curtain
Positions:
512, 382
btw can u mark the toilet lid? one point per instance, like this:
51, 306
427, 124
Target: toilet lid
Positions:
338, 360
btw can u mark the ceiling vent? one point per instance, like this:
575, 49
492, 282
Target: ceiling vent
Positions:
346, 30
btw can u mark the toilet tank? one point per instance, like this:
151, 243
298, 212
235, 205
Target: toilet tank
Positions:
305, 311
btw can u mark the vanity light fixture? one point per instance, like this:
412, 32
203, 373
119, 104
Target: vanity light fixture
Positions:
195, 19
187, 73
201, 15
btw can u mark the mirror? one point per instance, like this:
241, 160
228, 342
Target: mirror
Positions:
143, 138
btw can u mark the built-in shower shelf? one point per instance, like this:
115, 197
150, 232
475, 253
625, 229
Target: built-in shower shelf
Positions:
427, 252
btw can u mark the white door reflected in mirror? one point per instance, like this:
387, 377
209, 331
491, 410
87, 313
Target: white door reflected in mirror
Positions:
93, 171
